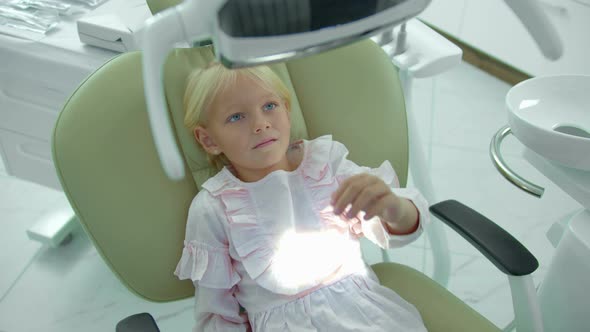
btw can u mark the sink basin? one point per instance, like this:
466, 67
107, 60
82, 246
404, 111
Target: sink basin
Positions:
551, 116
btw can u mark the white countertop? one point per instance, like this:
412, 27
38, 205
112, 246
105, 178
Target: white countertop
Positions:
62, 44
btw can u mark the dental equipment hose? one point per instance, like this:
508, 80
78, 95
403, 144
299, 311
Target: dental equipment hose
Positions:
400, 43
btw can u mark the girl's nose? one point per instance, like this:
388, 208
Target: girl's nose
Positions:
266, 125
261, 123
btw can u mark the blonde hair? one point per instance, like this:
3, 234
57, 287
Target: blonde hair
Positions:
204, 84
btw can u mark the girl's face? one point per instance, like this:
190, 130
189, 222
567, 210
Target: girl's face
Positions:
250, 125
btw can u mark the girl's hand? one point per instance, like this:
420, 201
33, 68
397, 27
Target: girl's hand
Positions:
368, 193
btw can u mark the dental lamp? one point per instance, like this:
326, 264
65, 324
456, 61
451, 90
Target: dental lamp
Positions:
256, 32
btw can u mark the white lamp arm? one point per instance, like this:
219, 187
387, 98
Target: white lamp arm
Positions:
163, 29
539, 26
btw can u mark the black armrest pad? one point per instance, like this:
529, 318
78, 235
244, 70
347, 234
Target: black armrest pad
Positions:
143, 322
501, 248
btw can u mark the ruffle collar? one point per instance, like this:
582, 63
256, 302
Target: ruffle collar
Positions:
256, 238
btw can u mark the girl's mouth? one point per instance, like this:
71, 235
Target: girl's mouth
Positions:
265, 143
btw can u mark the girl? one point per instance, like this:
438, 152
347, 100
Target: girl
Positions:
276, 230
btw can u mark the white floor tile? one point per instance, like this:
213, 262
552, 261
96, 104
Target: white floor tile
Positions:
475, 280
469, 177
496, 305
16, 194
423, 93
467, 115
2, 167
71, 289
17, 250
22, 204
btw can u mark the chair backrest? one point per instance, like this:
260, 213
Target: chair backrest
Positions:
159, 5
108, 167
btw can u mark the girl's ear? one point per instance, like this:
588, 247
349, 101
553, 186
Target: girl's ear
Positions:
204, 138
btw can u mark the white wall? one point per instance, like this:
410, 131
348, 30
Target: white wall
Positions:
491, 27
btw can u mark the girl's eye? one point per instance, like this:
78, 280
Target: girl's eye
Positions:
234, 117
270, 106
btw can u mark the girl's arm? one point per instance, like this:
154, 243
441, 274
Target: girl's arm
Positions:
218, 310
388, 217
387, 231
205, 260
409, 221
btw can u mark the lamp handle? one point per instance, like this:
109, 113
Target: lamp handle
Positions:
506, 171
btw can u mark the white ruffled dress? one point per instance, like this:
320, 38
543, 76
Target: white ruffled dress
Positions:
276, 248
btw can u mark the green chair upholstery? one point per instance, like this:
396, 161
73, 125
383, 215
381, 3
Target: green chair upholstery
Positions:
440, 310
135, 216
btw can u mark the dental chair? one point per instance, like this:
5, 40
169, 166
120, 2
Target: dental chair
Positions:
135, 216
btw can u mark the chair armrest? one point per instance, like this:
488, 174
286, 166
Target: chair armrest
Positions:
501, 248
143, 322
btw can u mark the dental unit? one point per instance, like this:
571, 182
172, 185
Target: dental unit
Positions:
550, 116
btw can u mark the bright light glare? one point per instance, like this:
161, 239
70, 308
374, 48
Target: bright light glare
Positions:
528, 103
310, 258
